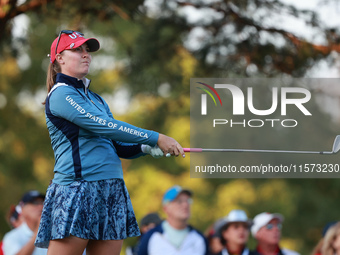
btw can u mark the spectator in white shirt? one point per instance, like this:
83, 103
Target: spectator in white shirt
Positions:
174, 236
20, 241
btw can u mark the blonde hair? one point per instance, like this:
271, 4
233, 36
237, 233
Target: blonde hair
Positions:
52, 71
332, 233
317, 248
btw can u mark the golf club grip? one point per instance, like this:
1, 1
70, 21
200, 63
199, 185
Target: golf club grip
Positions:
192, 149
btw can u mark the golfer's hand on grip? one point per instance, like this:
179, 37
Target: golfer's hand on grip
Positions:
170, 146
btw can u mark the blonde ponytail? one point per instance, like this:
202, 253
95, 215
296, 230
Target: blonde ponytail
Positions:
52, 71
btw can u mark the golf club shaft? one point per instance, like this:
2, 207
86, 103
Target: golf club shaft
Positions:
247, 150
335, 149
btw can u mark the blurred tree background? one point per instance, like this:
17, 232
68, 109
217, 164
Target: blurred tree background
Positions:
149, 52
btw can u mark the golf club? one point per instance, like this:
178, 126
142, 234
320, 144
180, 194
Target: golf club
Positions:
335, 149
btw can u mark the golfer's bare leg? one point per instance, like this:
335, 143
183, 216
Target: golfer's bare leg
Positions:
68, 246
101, 247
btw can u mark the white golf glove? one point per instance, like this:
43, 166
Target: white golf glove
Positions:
155, 151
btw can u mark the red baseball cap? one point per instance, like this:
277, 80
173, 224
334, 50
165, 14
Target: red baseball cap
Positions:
72, 39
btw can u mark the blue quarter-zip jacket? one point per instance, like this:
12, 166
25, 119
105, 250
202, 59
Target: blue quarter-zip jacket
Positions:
87, 141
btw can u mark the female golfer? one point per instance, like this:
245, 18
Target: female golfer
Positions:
87, 205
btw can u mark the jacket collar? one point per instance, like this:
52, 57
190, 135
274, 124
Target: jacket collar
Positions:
72, 81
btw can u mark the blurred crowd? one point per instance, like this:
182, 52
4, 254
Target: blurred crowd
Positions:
227, 236
173, 234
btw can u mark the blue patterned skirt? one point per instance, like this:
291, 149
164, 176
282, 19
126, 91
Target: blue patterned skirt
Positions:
97, 210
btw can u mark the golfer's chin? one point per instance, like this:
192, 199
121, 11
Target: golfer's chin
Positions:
82, 74
86, 70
